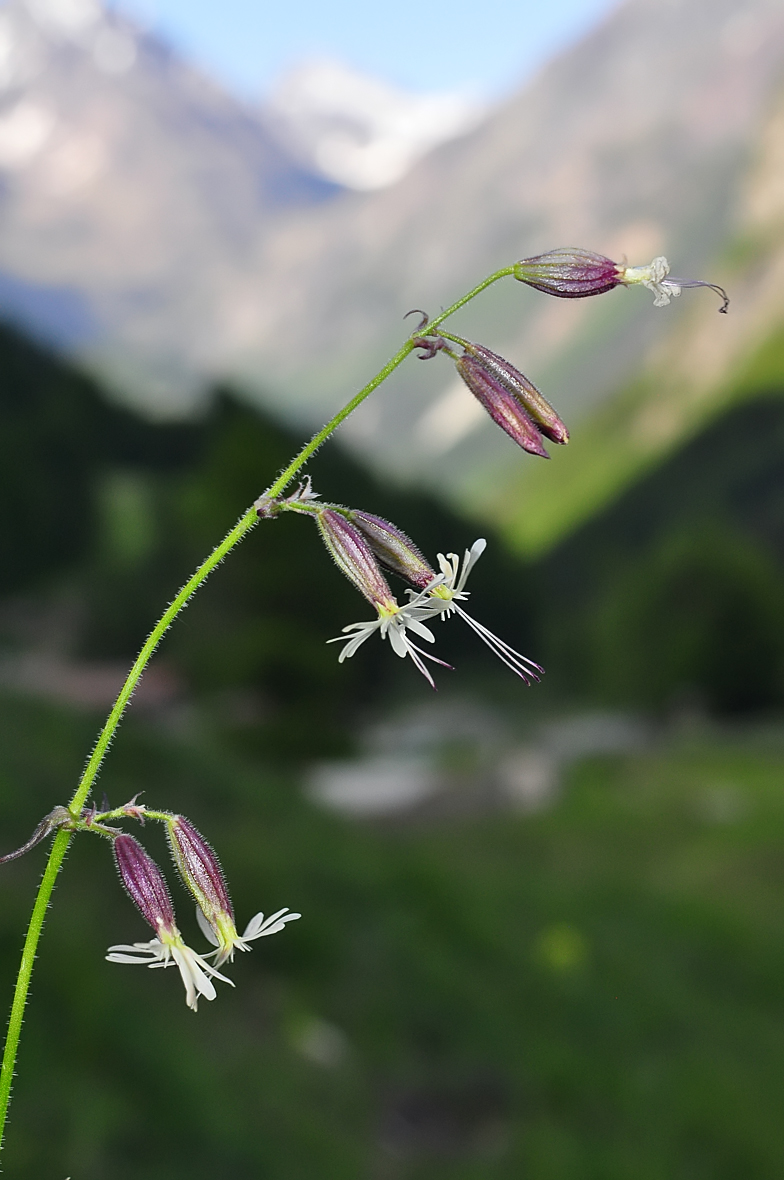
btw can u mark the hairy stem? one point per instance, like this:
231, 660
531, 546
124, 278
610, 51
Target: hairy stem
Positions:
59, 848
310, 448
243, 526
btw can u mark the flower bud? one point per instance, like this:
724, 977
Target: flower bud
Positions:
502, 406
394, 550
543, 414
143, 882
570, 273
354, 557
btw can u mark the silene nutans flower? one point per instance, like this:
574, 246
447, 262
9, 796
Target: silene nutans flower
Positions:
434, 595
354, 556
144, 883
202, 874
571, 273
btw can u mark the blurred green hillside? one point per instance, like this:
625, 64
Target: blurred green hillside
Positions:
673, 588
641, 428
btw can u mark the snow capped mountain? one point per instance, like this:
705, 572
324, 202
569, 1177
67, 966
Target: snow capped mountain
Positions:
361, 132
135, 199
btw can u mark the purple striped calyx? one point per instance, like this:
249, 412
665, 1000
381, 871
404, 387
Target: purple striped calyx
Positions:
510, 399
144, 883
570, 273
200, 871
524, 391
202, 874
393, 549
355, 558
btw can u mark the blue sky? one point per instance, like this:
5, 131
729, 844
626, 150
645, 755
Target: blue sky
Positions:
486, 47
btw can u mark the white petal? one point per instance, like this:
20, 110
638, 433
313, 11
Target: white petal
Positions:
191, 977
139, 952
420, 629
275, 923
255, 924
115, 957
397, 638
471, 558
206, 929
195, 973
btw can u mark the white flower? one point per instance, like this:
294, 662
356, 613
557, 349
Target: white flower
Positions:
393, 625
654, 277
169, 951
256, 928
444, 594
440, 597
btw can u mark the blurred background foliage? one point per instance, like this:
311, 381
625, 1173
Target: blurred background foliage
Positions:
589, 991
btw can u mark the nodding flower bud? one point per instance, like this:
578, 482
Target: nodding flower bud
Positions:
544, 416
569, 273
394, 550
354, 557
143, 882
502, 406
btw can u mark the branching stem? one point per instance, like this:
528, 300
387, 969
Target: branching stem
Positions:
232, 538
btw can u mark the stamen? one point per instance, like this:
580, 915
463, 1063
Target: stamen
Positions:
713, 286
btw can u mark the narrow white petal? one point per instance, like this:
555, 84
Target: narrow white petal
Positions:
397, 638
273, 924
206, 929
255, 924
420, 629
471, 558
191, 997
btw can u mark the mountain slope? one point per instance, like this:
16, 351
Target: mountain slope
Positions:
158, 228
134, 191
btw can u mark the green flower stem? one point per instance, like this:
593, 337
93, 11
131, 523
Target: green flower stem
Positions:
59, 848
243, 526
310, 448
63, 837
503, 273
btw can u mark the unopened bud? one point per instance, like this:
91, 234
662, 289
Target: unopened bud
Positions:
543, 414
354, 557
144, 883
570, 273
502, 406
394, 550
